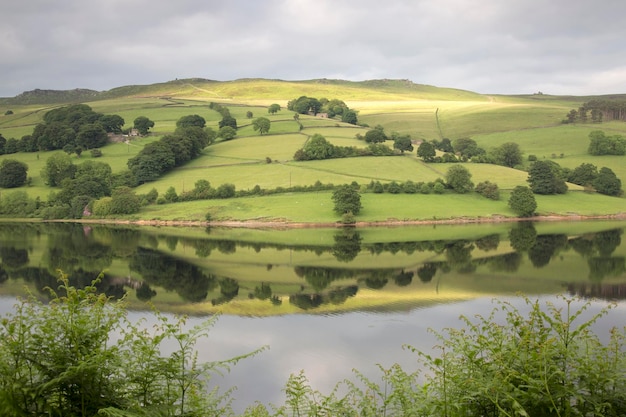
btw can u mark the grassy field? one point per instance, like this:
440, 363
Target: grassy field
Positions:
425, 112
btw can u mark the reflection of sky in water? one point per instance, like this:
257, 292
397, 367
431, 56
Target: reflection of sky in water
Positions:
329, 347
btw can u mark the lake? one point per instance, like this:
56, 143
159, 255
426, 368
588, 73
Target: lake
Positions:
325, 301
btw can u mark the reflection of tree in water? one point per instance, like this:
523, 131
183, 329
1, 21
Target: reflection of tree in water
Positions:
459, 255
545, 247
377, 279
262, 292
606, 242
602, 267
427, 271
123, 242
522, 236
71, 248
144, 292
13, 258
319, 278
347, 244
172, 274
602, 291
4, 275
336, 296
582, 245
403, 278
509, 262
229, 289
488, 243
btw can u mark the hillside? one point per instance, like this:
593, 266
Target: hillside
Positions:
423, 112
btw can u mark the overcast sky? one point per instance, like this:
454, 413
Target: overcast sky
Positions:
488, 46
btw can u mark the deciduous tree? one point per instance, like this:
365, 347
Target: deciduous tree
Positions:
12, 173
522, 201
143, 125
347, 200
261, 124
458, 178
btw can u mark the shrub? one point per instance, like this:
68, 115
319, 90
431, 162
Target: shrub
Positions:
95, 153
488, 189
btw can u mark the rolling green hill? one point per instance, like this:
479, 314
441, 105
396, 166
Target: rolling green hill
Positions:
424, 112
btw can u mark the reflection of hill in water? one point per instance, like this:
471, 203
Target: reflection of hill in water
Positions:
201, 274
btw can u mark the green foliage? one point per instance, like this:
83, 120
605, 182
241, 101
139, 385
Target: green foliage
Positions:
12, 173
58, 167
143, 125
349, 116
170, 195
403, 143
488, 189
607, 182
227, 133
91, 135
58, 359
261, 124
375, 136
347, 200
601, 144
458, 178
124, 201
17, 204
522, 201
467, 148
544, 177
191, 121
229, 121
584, 174
508, 154
426, 151
273, 108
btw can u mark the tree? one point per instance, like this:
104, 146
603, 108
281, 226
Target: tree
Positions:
317, 147
488, 189
261, 124
12, 173
584, 174
112, 123
58, 167
508, 154
124, 201
467, 147
227, 133
403, 143
607, 182
375, 136
426, 151
143, 125
153, 160
522, 201
273, 108
249, 115
349, 116
191, 121
347, 200
228, 120
544, 178
91, 136
458, 178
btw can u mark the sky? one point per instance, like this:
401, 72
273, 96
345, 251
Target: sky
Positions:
488, 46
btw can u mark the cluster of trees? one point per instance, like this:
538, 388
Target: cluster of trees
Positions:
71, 128
333, 108
548, 177
173, 150
317, 148
228, 124
508, 154
597, 111
601, 144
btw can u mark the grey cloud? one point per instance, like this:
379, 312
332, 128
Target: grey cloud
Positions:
489, 46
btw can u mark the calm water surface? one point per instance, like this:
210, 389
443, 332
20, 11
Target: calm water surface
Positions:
324, 301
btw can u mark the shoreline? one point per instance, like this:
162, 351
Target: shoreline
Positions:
283, 224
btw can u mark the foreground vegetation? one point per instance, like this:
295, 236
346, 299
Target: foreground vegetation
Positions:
79, 355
